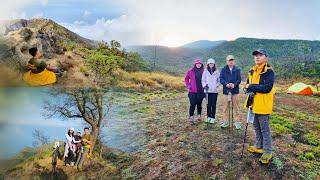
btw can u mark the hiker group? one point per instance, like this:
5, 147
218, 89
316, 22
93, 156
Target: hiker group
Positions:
77, 148
202, 81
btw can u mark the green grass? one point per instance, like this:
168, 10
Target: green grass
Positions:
313, 138
280, 124
278, 163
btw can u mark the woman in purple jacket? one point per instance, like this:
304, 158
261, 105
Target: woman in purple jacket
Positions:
196, 94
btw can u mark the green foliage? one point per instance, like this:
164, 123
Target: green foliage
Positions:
172, 60
313, 138
84, 70
316, 151
309, 155
102, 64
134, 62
69, 45
289, 58
281, 125
105, 60
278, 163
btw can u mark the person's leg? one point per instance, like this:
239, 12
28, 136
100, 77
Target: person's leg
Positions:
79, 155
214, 104
83, 157
192, 100
200, 97
225, 107
209, 105
257, 128
66, 150
235, 102
266, 134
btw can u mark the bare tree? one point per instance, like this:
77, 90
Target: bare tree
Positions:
88, 104
40, 138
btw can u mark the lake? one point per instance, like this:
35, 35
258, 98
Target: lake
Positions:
21, 113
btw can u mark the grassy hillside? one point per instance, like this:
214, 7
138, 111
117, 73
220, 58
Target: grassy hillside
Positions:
172, 60
84, 61
175, 150
203, 44
290, 58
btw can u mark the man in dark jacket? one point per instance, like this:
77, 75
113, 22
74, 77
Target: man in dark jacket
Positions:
230, 78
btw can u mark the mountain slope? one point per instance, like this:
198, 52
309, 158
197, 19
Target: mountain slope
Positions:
173, 60
287, 56
203, 44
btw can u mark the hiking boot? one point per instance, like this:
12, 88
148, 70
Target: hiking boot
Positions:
254, 149
212, 120
191, 121
265, 158
224, 124
199, 118
237, 125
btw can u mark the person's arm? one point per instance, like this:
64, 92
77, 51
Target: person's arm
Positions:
68, 139
203, 79
263, 88
42, 65
218, 79
222, 78
238, 81
74, 140
89, 140
187, 80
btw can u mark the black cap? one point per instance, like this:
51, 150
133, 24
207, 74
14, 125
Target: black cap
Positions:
260, 51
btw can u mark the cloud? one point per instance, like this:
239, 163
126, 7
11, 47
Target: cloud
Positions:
15, 9
86, 13
127, 29
44, 2
173, 23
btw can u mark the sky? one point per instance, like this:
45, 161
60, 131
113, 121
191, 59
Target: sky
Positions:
175, 22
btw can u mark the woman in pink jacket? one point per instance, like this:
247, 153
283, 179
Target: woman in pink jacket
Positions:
196, 94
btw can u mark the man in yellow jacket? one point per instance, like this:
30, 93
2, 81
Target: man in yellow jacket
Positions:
260, 82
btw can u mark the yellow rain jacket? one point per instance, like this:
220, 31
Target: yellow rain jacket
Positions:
260, 81
40, 79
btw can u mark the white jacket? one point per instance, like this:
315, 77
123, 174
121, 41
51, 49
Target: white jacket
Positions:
212, 80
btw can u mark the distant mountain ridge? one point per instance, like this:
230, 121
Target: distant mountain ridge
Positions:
203, 44
298, 55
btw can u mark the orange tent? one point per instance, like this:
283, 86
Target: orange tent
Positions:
301, 88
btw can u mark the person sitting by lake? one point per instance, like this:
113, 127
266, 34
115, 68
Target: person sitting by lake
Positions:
195, 90
68, 148
39, 74
86, 142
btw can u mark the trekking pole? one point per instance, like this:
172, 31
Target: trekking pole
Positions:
232, 120
229, 109
249, 119
245, 132
207, 99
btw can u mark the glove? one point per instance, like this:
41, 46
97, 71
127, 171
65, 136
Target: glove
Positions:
206, 87
250, 99
188, 87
